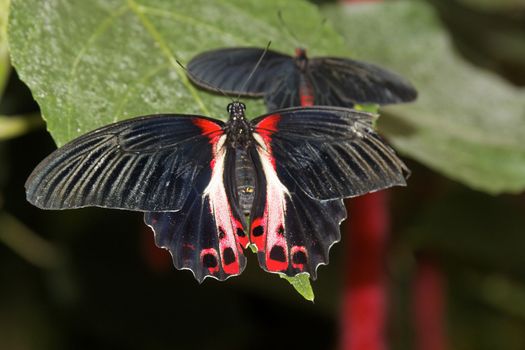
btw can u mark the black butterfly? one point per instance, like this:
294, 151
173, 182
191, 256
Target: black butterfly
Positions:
184, 171
287, 81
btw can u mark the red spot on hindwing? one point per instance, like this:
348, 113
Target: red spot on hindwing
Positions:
277, 257
210, 260
258, 233
242, 237
299, 257
229, 251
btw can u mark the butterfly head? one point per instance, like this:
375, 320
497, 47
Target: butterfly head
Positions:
300, 53
236, 110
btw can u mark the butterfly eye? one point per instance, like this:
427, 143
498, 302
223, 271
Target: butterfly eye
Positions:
243, 106
229, 107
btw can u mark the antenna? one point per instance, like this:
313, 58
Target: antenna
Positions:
319, 29
203, 83
290, 32
254, 69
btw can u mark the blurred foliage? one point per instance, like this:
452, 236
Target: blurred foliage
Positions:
97, 287
496, 5
4, 56
489, 33
479, 230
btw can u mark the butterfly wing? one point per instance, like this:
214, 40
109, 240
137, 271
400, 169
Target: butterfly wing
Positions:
329, 152
344, 82
148, 163
284, 90
307, 160
207, 235
227, 70
293, 233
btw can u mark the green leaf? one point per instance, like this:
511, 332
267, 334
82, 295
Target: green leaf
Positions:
4, 56
302, 285
467, 123
90, 63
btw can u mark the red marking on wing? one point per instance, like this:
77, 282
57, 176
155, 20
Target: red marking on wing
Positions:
205, 257
266, 128
231, 268
242, 237
209, 128
270, 243
229, 252
258, 239
267, 232
277, 265
297, 251
226, 224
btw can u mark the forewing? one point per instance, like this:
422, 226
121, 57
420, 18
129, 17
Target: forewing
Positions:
344, 82
147, 163
328, 152
207, 235
292, 232
228, 69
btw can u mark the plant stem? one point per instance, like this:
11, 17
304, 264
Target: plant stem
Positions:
14, 126
27, 244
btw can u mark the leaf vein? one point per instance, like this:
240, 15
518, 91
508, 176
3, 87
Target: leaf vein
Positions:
163, 46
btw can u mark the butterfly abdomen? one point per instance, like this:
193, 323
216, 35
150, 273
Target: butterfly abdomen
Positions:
245, 180
306, 92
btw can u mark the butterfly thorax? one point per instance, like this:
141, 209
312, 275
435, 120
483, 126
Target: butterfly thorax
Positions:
238, 128
300, 59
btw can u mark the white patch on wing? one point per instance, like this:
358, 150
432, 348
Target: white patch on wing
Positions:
221, 210
275, 209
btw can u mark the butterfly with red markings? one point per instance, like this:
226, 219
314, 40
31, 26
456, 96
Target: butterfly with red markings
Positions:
185, 172
287, 81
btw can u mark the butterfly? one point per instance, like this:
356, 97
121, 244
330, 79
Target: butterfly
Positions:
185, 172
287, 81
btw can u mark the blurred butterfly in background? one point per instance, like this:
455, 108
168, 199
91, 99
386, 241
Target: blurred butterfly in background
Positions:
185, 172
286, 81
